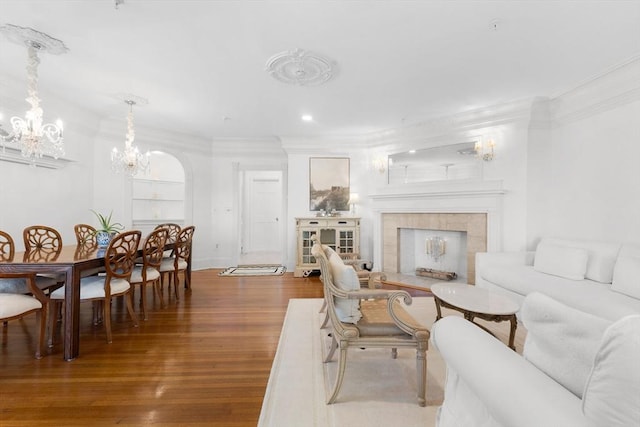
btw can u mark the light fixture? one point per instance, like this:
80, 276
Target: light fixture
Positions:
379, 163
34, 138
130, 161
307, 118
485, 151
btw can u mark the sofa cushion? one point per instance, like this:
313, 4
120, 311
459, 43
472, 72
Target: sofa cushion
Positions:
563, 261
602, 256
612, 394
626, 276
561, 341
585, 295
345, 278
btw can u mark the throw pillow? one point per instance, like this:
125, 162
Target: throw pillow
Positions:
570, 263
612, 393
345, 278
626, 276
561, 341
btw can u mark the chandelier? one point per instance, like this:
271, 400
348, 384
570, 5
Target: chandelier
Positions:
130, 161
34, 138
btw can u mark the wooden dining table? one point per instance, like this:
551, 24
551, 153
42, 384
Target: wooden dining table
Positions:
70, 261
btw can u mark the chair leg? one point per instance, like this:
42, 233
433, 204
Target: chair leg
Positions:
421, 367
107, 319
394, 353
132, 313
143, 299
157, 289
176, 282
341, 367
332, 349
325, 321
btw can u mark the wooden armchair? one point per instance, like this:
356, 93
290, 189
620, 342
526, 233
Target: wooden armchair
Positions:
365, 318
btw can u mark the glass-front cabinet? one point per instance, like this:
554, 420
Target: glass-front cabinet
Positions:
341, 234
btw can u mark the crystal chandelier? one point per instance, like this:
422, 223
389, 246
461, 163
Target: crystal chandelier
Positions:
130, 161
34, 138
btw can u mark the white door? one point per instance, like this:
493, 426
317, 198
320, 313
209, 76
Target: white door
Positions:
262, 225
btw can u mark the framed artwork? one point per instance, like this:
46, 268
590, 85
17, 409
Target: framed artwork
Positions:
329, 183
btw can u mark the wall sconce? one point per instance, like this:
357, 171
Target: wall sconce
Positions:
353, 200
380, 164
485, 151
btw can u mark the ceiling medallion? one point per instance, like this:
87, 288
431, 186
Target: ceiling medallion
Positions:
302, 68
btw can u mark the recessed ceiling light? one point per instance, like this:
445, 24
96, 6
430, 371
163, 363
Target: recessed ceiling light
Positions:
307, 118
412, 151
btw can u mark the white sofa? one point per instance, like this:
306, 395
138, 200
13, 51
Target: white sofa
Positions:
594, 277
577, 369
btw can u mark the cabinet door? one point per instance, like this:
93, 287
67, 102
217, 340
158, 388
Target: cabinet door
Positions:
306, 243
346, 241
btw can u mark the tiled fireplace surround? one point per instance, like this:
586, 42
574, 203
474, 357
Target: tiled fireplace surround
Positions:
474, 208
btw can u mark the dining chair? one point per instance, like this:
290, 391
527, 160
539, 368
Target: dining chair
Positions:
41, 237
180, 261
85, 235
119, 262
149, 271
18, 305
19, 285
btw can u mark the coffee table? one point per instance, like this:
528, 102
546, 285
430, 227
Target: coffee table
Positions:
474, 302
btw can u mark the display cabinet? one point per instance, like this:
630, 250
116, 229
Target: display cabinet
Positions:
341, 234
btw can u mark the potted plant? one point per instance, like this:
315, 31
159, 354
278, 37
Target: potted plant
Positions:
106, 229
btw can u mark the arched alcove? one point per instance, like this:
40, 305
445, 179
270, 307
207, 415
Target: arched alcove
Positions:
158, 196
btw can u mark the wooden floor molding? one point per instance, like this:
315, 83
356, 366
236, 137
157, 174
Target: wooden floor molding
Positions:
203, 360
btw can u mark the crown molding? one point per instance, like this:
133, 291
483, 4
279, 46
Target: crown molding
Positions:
619, 86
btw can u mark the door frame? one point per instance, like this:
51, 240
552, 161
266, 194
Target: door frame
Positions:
239, 189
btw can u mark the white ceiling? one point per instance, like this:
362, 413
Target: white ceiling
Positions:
400, 62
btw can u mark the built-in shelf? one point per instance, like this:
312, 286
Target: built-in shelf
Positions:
14, 155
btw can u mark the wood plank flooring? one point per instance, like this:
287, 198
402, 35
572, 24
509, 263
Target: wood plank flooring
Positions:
203, 360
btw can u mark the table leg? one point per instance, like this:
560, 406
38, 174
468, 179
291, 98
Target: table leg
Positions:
512, 333
72, 314
438, 311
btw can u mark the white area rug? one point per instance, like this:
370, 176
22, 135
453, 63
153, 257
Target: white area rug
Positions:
258, 270
377, 390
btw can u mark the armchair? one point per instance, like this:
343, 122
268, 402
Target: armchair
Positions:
364, 318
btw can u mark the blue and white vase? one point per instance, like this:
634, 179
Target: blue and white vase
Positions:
103, 238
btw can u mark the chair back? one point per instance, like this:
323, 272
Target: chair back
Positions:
331, 291
41, 237
7, 247
182, 248
120, 255
153, 250
173, 230
85, 235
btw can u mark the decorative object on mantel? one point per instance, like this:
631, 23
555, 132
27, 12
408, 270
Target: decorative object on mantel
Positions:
485, 151
130, 161
302, 68
436, 274
29, 134
106, 229
436, 247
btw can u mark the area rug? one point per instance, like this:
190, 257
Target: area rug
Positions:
377, 390
254, 270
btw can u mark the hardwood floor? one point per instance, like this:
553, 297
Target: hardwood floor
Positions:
203, 360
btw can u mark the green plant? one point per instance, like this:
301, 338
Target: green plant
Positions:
106, 225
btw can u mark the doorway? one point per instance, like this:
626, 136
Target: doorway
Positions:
261, 217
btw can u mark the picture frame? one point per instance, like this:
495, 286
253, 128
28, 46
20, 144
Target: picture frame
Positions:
329, 180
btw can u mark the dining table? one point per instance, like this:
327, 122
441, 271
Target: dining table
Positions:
69, 262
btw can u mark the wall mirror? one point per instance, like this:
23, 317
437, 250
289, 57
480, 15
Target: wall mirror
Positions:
446, 162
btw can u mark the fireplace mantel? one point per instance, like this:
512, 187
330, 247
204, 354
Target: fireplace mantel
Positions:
449, 197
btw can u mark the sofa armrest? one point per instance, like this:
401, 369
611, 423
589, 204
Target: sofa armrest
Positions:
513, 391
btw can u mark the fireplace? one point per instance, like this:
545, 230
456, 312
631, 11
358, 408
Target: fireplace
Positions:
473, 224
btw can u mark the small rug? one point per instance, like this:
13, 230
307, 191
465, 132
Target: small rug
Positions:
254, 270
377, 390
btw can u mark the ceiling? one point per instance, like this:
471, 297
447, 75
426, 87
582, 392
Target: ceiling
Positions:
399, 62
